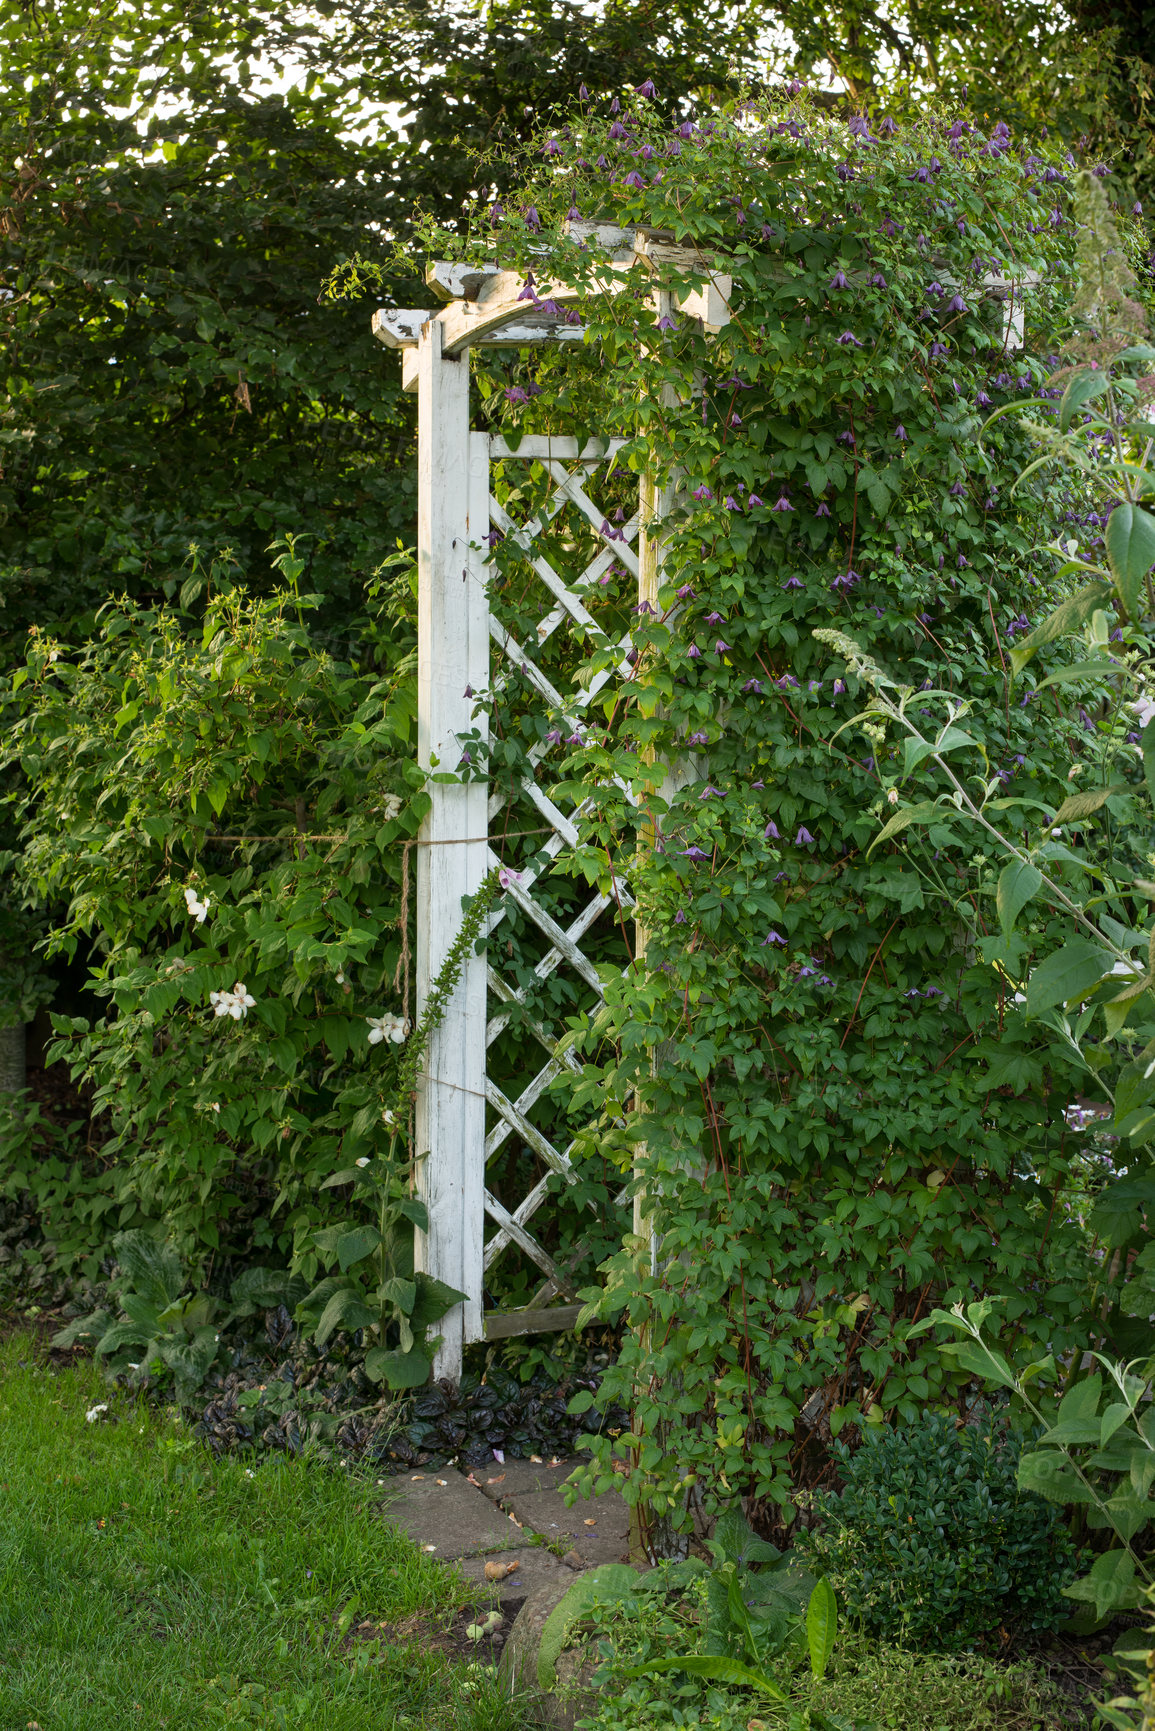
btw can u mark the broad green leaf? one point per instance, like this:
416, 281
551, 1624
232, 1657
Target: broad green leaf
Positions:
1111, 1585
1130, 1513
1147, 747
1050, 1474
1068, 616
1018, 882
1120, 1205
1071, 972
1098, 669
398, 1369
346, 1310
354, 1245
152, 1269
606, 1581
921, 813
1116, 1414
713, 1667
981, 1361
1082, 388
434, 1299
1130, 539
402, 1293
821, 1626
1082, 805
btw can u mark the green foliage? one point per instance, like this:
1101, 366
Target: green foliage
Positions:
607, 1582
1072, 898
930, 1542
819, 1148
894, 1689
220, 809
156, 1331
865, 1684
1095, 1430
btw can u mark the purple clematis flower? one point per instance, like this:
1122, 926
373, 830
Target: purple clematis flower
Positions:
698, 739
823, 509
803, 838
702, 493
773, 937
710, 793
680, 917
694, 853
645, 89
687, 592
617, 130
792, 583
838, 280
754, 501
633, 179
900, 432
721, 647
878, 280
693, 652
848, 339
730, 503
771, 831
666, 323
839, 687
715, 619
753, 685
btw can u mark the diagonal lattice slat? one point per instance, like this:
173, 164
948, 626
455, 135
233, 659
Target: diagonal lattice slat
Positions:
572, 487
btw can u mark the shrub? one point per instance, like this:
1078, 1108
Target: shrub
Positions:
931, 1542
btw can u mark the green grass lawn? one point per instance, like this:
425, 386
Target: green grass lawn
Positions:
144, 1584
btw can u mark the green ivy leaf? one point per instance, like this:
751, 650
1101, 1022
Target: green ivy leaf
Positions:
1071, 972
1130, 539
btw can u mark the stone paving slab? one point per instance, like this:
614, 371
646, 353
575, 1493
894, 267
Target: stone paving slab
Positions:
516, 1477
598, 1528
449, 1517
535, 1566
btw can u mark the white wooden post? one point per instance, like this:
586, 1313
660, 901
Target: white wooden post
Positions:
452, 657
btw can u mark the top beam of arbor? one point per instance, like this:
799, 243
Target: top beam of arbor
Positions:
490, 306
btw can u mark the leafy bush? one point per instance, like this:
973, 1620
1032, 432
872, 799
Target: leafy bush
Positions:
157, 1329
931, 1542
210, 800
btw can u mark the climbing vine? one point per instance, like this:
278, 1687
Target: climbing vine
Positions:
807, 1074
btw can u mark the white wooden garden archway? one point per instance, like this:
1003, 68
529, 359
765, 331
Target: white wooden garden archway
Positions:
457, 636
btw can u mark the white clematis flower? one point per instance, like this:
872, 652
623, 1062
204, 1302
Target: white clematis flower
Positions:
197, 907
387, 1027
236, 1003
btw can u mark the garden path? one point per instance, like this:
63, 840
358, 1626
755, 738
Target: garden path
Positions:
509, 1516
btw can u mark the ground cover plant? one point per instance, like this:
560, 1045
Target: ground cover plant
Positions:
621, 1648
143, 1582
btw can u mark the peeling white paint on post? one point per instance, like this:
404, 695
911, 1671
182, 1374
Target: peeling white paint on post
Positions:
452, 656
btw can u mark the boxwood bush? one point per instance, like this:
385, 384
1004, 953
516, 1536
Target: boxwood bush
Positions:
931, 1543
